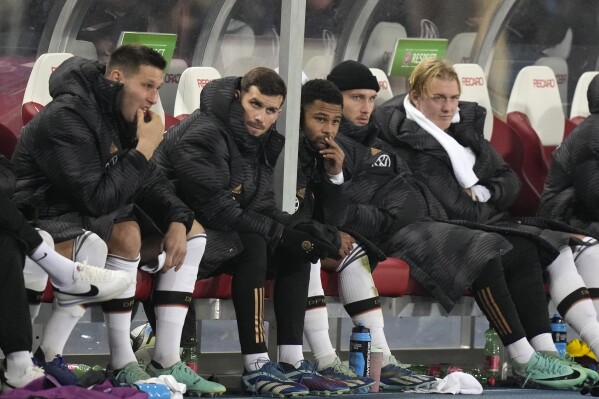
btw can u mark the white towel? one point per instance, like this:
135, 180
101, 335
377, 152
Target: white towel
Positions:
454, 383
177, 389
462, 158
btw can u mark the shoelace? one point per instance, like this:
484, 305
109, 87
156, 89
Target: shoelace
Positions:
549, 364
59, 361
271, 369
306, 366
341, 368
398, 364
93, 273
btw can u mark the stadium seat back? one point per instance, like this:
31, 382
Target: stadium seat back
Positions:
191, 83
37, 91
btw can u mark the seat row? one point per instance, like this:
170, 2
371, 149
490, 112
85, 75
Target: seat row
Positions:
513, 139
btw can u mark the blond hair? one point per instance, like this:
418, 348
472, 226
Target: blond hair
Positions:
426, 71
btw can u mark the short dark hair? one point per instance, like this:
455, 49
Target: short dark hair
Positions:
130, 57
319, 89
266, 80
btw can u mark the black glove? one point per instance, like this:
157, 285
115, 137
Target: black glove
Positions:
305, 246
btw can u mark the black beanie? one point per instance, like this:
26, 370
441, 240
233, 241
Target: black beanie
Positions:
350, 75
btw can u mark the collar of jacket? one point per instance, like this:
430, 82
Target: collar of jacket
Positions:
218, 99
365, 135
85, 79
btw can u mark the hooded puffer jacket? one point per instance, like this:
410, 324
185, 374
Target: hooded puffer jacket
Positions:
429, 161
398, 212
76, 161
571, 193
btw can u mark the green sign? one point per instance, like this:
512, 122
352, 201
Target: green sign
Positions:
409, 52
163, 43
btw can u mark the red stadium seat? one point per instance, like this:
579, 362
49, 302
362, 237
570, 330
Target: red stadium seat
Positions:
391, 278
535, 94
37, 92
145, 282
580, 105
191, 83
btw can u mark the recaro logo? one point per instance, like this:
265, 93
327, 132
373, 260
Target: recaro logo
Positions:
203, 82
383, 84
473, 81
543, 83
172, 78
561, 78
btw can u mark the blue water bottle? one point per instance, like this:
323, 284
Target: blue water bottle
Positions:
359, 350
559, 333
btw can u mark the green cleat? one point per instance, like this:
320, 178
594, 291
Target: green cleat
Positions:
196, 385
132, 373
549, 371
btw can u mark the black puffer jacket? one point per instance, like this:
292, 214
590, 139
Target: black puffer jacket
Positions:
225, 174
8, 179
77, 164
398, 212
571, 192
429, 161
324, 202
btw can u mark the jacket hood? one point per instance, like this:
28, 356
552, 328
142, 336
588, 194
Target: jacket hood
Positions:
593, 95
218, 96
218, 99
84, 78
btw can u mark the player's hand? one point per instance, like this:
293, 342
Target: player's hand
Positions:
175, 246
333, 157
347, 244
150, 131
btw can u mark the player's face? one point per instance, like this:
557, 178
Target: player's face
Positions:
440, 106
140, 89
260, 111
321, 121
358, 105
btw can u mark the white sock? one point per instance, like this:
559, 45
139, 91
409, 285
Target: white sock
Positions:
586, 259
290, 354
316, 321
88, 248
169, 325
356, 285
119, 324
35, 277
59, 328
520, 351
170, 318
543, 343
255, 361
59, 268
564, 280
16, 364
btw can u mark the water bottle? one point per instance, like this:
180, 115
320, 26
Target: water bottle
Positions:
359, 350
492, 367
559, 333
189, 356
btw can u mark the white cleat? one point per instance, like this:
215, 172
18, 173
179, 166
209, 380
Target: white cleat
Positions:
31, 373
93, 284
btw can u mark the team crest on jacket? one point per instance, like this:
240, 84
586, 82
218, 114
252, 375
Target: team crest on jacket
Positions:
383, 161
301, 193
113, 148
237, 190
